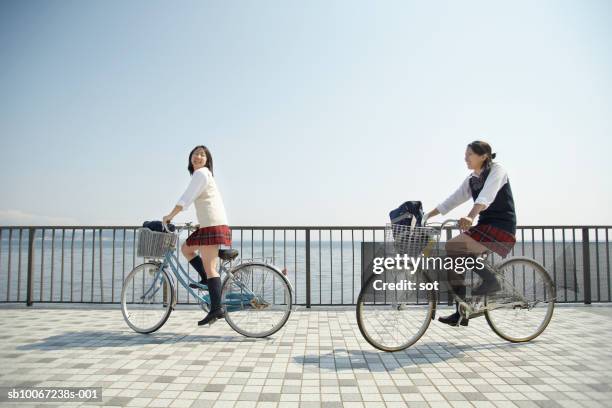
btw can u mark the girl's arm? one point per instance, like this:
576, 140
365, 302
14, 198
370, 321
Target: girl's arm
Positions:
466, 222
460, 196
432, 213
168, 218
495, 181
198, 182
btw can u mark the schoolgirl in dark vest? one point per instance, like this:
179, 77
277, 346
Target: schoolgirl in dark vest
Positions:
488, 185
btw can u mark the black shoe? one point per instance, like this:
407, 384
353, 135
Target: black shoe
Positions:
216, 311
453, 320
195, 286
212, 317
487, 287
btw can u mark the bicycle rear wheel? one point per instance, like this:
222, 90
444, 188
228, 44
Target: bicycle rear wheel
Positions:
147, 298
257, 299
523, 307
391, 319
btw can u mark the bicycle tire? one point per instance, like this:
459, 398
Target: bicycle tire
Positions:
371, 334
496, 318
167, 301
240, 306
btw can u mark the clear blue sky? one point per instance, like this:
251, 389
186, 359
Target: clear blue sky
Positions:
317, 112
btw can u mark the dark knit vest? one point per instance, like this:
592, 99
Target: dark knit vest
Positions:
500, 213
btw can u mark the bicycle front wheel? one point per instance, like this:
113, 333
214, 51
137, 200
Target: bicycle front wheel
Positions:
393, 318
147, 298
257, 299
523, 307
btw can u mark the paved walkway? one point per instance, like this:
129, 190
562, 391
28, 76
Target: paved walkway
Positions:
318, 360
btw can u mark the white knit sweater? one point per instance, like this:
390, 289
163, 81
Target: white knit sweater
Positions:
203, 193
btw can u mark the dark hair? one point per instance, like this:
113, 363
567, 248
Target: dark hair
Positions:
209, 160
483, 148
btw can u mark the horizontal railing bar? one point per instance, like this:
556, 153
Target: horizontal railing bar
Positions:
279, 227
310, 247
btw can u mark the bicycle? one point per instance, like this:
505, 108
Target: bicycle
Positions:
256, 296
393, 320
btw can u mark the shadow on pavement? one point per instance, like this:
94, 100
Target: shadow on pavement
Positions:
98, 339
407, 360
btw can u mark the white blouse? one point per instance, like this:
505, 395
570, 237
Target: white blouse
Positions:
196, 186
495, 181
202, 192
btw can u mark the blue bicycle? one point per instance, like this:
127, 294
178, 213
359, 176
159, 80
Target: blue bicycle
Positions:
256, 296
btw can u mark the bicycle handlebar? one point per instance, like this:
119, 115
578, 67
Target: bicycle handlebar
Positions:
178, 227
450, 222
446, 223
453, 223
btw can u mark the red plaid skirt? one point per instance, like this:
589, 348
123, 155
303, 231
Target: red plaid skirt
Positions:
496, 239
215, 235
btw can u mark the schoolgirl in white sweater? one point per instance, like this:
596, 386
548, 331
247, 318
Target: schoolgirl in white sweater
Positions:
213, 231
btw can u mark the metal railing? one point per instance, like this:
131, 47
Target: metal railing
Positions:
87, 264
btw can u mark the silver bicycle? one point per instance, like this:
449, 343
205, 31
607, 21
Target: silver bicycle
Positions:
256, 296
392, 319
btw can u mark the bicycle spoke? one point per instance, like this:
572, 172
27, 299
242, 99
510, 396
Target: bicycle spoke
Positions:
523, 307
394, 319
146, 298
257, 300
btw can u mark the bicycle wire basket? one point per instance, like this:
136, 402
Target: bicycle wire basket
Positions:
410, 240
153, 244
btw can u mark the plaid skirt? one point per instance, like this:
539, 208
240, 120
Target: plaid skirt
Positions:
497, 240
215, 235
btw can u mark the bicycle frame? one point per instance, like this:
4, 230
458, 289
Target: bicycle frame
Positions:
241, 293
469, 309
171, 260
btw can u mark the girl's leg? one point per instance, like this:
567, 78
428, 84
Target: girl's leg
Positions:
460, 246
464, 245
190, 252
210, 253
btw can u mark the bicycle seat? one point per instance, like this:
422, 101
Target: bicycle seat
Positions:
228, 254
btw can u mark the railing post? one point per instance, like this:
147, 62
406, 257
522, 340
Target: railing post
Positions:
29, 295
586, 265
308, 268
450, 302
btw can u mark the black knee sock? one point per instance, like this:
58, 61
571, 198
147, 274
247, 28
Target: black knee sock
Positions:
198, 265
214, 289
456, 283
486, 274
461, 291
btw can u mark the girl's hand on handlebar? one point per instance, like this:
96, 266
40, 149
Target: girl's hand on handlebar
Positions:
430, 214
465, 223
425, 218
168, 218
